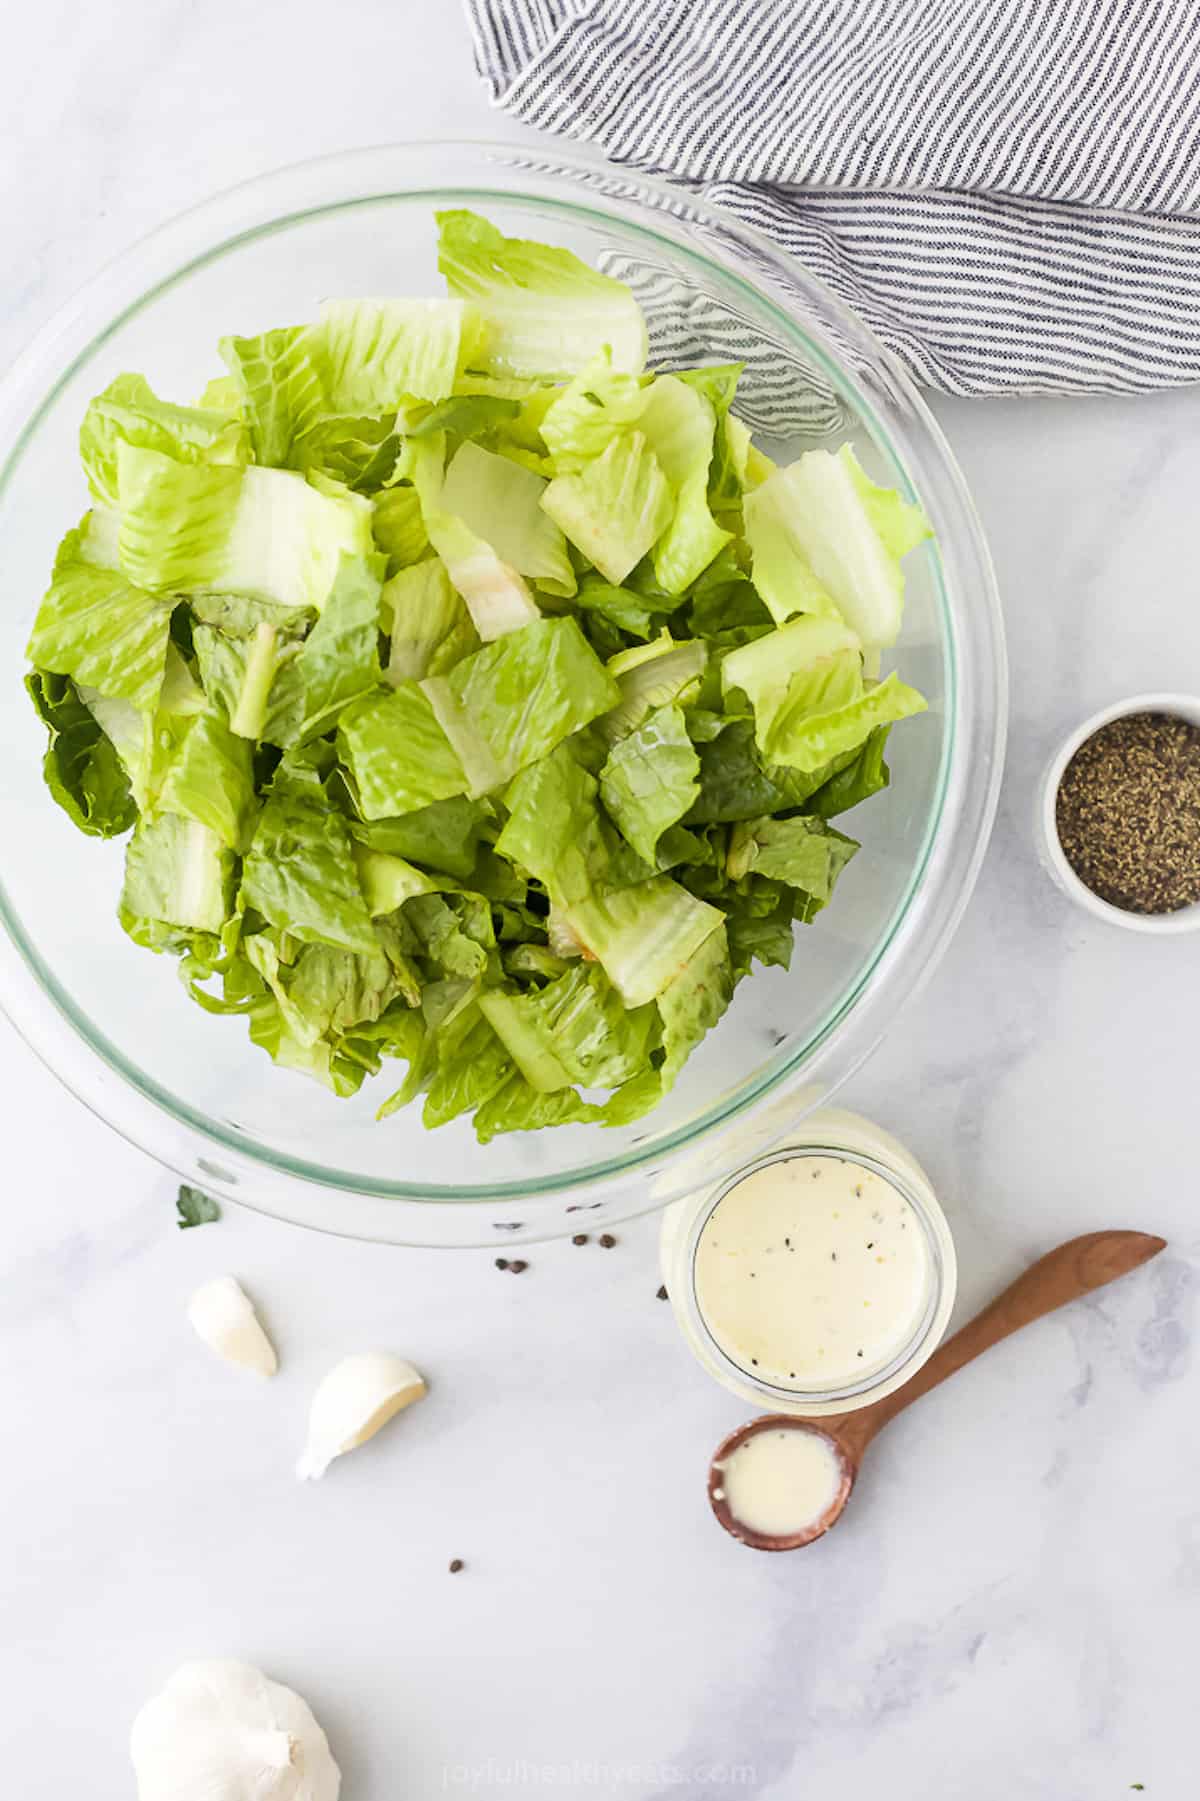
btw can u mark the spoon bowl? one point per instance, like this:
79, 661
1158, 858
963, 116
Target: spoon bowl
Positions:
1063, 1275
778, 1541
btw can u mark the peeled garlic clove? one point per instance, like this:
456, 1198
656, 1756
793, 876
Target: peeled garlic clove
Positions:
358, 1396
221, 1728
223, 1315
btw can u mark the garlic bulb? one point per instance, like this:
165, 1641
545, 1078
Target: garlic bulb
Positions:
223, 1315
222, 1731
358, 1396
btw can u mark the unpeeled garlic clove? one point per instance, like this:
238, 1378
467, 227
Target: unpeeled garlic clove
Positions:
358, 1396
224, 1317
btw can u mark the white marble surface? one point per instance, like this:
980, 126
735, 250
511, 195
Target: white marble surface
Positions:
1009, 1609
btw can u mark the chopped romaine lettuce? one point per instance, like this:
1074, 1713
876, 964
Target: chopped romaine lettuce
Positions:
476, 700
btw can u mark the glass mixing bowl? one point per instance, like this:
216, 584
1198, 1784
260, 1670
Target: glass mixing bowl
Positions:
114, 1022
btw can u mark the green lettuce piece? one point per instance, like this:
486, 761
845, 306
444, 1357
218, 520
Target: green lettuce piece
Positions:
129, 412
575, 1030
210, 778
554, 829
616, 507
514, 700
584, 417
337, 663
397, 753
263, 533
643, 936
650, 779
398, 527
430, 627
810, 741
810, 701
497, 597
454, 934
472, 1066
803, 852
692, 1003
864, 775
444, 835
693, 539
361, 454
727, 466
519, 1107
240, 647
281, 393
145, 741
500, 503
177, 873
650, 676
824, 538
388, 881
371, 355
545, 313
466, 415
325, 993
81, 767
299, 872
803, 672
96, 626
736, 783
679, 423
622, 608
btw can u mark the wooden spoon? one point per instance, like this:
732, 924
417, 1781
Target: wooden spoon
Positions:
1074, 1269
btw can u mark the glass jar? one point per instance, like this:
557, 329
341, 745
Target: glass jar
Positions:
847, 1137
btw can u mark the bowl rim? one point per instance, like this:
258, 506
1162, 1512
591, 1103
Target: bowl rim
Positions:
1158, 925
247, 210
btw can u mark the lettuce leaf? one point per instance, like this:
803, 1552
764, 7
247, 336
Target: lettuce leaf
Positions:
615, 508
430, 626
444, 835
337, 663
825, 539
514, 700
177, 873
584, 417
97, 627
643, 936
650, 779
575, 1030
371, 355
544, 313
81, 767
398, 756
263, 533
281, 393
129, 412
500, 503
299, 872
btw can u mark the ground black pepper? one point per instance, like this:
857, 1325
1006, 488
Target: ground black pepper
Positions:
606, 1241
580, 1238
456, 1564
662, 1295
1128, 813
518, 1266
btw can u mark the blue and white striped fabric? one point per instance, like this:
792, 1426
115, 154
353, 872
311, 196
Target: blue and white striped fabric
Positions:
1007, 190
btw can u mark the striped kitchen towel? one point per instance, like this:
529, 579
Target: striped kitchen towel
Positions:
1007, 190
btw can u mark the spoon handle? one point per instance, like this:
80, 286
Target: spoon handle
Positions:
1074, 1269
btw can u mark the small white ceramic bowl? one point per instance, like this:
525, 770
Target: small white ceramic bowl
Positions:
1185, 919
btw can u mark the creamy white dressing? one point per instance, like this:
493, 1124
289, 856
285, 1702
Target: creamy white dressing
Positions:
812, 1272
781, 1480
